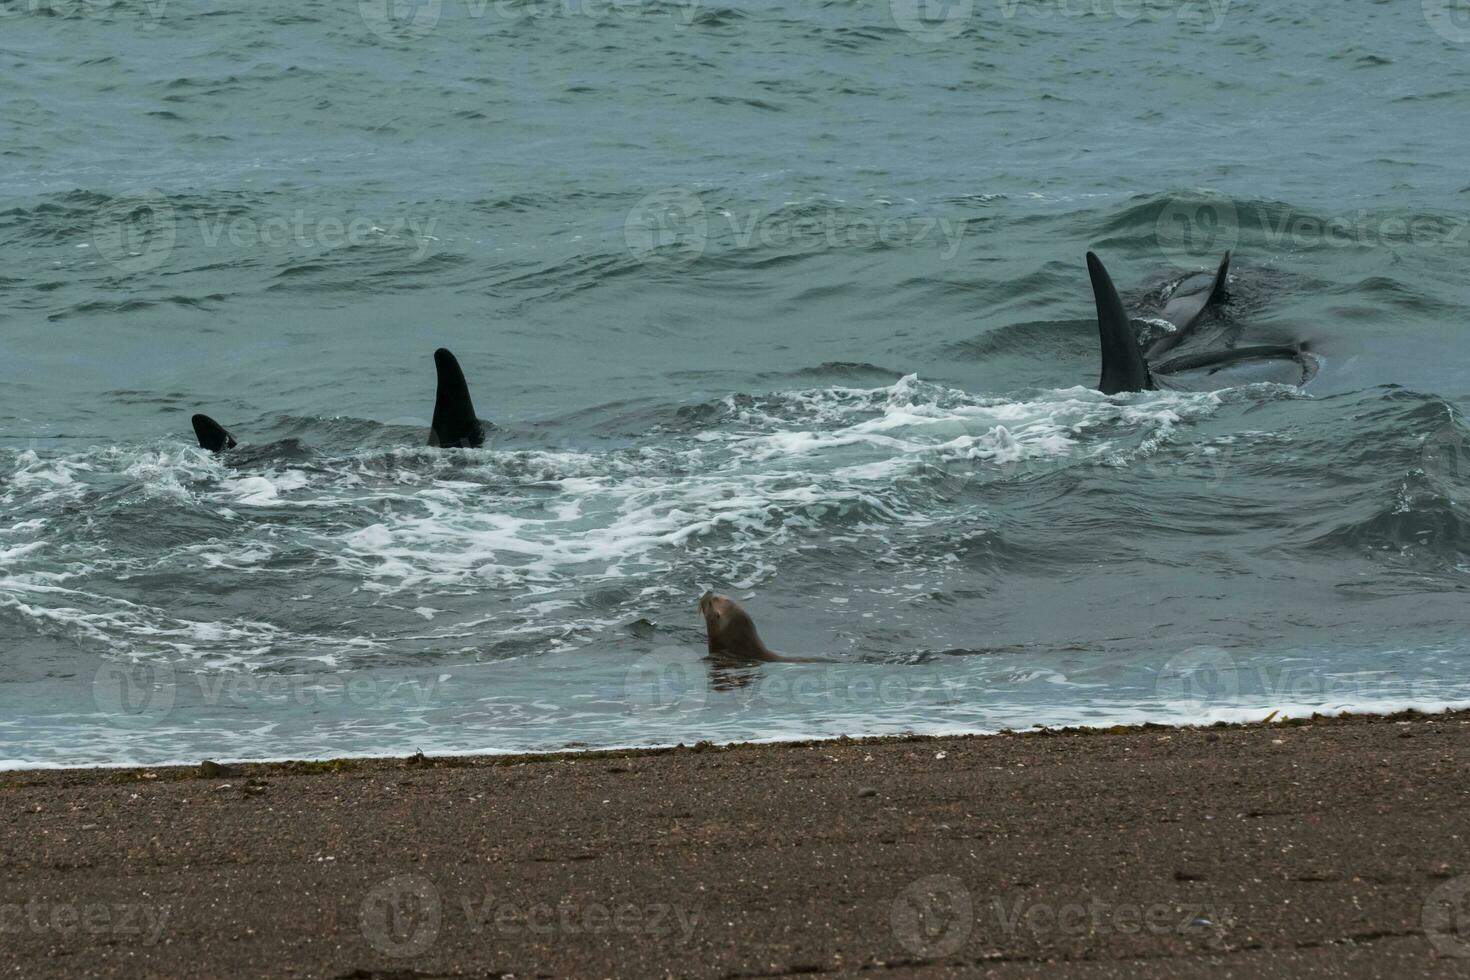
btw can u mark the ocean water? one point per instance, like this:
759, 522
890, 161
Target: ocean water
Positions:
783, 300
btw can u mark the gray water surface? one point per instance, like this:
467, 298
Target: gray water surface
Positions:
783, 300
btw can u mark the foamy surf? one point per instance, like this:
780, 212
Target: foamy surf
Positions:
900, 529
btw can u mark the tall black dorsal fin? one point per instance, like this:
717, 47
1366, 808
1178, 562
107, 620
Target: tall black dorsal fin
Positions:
211, 435
455, 424
1123, 366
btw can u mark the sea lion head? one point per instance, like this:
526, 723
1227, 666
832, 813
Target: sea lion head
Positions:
731, 630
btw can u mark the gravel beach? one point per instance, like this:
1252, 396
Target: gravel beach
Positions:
1336, 847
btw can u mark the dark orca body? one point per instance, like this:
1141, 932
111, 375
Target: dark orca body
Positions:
455, 425
211, 435
1125, 366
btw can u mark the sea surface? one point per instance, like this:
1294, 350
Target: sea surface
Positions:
785, 300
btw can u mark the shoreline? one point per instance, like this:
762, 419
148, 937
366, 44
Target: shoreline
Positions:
1329, 846
1271, 717
492, 756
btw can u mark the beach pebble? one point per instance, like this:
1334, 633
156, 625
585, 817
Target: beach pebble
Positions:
867, 791
209, 769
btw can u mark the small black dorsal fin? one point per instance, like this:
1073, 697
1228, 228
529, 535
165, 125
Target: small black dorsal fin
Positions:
211, 435
1218, 291
1123, 366
1186, 307
455, 424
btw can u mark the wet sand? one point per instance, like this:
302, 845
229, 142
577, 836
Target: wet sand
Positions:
1331, 848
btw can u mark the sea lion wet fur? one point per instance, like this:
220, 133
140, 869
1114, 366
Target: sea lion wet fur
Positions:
733, 636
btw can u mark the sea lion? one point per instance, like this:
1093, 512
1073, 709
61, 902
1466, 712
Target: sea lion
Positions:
732, 634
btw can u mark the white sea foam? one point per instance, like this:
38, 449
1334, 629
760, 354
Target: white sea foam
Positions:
380, 557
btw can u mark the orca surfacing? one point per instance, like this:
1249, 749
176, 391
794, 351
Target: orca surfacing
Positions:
1125, 365
455, 425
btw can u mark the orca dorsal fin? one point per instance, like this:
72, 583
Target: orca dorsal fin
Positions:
211, 435
1123, 366
455, 424
1217, 292
1186, 307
